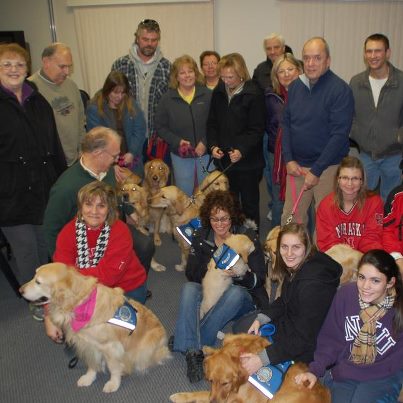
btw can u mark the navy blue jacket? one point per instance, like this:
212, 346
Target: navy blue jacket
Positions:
317, 122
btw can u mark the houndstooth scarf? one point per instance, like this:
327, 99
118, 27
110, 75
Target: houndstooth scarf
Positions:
364, 347
83, 260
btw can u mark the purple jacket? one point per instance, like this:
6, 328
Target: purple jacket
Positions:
274, 114
337, 336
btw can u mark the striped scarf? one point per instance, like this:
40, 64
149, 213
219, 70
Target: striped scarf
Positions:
83, 259
364, 346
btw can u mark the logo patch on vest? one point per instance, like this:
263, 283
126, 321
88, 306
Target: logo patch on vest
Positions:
125, 316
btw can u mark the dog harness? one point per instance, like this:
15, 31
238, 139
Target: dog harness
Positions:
186, 230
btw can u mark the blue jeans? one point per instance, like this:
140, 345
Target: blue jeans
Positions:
138, 294
184, 171
191, 333
384, 390
386, 169
267, 171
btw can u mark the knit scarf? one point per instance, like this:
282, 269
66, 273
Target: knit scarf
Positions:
364, 346
83, 260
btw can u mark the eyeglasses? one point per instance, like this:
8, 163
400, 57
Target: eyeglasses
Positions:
224, 220
288, 70
17, 66
114, 156
147, 23
354, 179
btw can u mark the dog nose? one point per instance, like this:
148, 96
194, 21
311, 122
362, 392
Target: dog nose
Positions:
155, 177
125, 197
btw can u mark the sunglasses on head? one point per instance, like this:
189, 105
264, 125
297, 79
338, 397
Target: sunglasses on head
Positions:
147, 23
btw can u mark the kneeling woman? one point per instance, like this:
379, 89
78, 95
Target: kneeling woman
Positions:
362, 337
310, 280
221, 216
98, 244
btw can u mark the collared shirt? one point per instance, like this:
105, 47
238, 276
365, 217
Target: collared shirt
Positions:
99, 176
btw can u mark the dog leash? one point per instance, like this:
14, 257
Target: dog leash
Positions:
295, 199
220, 174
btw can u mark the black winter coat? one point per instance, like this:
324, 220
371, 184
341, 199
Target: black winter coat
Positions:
31, 157
238, 124
301, 309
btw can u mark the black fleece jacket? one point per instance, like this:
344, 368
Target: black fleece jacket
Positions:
238, 124
300, 310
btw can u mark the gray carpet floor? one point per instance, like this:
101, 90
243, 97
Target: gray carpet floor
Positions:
34, 369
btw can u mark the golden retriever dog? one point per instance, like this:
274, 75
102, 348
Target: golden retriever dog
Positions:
180, 208
215, 180
229, 380
98, 342
136, 196
344, 254
270, 248
348, 258
156, 175
216, 281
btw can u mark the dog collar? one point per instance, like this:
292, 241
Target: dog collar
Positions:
83, 312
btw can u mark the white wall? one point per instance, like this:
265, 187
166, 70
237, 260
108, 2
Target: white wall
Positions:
240, 26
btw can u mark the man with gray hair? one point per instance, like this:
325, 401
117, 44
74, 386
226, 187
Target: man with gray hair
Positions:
274, 46
63, 95
146, 69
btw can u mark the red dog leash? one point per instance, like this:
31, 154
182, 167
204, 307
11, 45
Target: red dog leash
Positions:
296, 201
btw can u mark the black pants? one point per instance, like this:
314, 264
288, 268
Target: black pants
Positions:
144, 247
245, 185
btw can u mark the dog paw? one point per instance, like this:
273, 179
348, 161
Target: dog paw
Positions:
111, 386
179, 267
87, 379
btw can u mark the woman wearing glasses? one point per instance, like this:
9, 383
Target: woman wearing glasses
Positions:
31, 159
285, 70
209, 64
221, 216
351, 214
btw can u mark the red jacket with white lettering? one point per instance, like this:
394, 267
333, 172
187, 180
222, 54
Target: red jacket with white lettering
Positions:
393, 222
119, 266
359, 228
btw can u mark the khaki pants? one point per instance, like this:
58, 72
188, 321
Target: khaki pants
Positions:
317, 193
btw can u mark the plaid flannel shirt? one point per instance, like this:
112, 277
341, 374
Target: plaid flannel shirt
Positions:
158, 86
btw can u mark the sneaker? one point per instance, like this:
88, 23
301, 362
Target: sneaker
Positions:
194, 361
37, 311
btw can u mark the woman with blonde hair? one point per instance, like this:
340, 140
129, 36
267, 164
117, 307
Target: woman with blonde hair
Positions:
285, 70
98, 244
113, 107
351, 214
181, 121
235, 131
